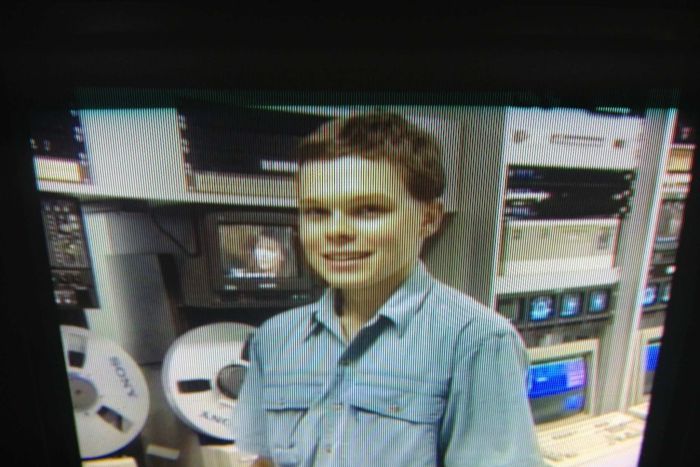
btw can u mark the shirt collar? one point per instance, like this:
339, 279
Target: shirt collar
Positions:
399, 308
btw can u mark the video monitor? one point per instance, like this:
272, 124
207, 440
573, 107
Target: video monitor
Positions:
651, 359
670, 221
557, 388
510, 308
257, 251
665, 292
541, 308
598, 301
651, 292
571, 304
646, 356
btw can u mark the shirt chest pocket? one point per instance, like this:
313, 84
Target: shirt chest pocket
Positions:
398, 403
286, 406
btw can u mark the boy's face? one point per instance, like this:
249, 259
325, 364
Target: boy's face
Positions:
359, 225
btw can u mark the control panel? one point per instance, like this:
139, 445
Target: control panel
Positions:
71, 271
594, 441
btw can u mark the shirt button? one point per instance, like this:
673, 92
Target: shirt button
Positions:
394, 408
338, 407
328, 449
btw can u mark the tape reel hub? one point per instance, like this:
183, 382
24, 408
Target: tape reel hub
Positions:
230, 379
83, 393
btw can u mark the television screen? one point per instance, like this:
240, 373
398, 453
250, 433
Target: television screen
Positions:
571, 304
257, 251
541, 308
557, 389
598, 301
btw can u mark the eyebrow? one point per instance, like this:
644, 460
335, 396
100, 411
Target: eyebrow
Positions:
372, 198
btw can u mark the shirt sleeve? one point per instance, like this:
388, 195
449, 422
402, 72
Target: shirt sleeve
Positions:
248, 421
488, 421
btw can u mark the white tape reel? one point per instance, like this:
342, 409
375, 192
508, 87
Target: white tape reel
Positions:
109, 393
202, 375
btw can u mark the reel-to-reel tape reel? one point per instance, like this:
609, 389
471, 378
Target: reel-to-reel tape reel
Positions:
202, 374
109, 393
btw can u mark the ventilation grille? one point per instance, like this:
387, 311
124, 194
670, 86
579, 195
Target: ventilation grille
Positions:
564, 139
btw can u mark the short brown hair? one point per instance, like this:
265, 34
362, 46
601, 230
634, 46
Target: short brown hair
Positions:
382, 136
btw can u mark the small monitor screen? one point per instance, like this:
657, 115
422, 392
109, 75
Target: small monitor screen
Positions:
557, 389
665, 293
541, 308
650, 294
598, 301
651, 359
670, 221
257, 251
571, 305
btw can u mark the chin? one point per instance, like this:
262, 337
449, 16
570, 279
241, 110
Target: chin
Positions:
347, 281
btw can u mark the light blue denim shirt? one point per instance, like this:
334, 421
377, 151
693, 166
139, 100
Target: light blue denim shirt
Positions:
434, 379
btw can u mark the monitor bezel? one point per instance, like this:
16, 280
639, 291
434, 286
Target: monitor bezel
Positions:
644, 337
588, 349
638, 58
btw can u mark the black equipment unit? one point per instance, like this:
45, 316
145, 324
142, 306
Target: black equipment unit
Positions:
58, 136
69, 257
242, 141
564, 193
557, 307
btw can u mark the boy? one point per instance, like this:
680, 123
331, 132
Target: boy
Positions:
390, 367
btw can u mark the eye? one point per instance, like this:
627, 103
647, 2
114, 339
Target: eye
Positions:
370, 211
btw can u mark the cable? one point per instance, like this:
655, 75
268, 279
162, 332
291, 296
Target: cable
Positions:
172, 238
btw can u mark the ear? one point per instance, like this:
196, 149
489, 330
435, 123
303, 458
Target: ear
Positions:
431, 218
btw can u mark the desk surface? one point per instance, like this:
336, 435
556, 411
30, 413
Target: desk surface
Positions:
629, 457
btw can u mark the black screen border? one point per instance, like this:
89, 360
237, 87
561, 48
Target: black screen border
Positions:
515, 56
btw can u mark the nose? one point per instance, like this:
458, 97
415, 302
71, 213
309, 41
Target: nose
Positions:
339, 228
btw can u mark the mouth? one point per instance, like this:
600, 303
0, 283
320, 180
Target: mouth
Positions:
346, 257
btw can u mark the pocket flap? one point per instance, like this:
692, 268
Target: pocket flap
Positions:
398, 403
289, 396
